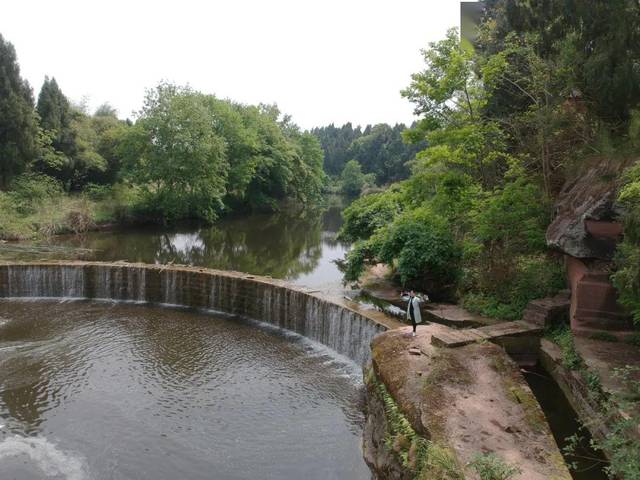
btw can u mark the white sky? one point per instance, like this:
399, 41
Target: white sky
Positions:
321, 61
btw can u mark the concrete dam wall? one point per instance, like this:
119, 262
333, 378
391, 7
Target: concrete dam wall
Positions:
258, 298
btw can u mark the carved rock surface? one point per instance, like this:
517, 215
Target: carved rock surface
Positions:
586, 207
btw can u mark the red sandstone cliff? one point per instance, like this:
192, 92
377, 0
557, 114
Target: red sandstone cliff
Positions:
586, 229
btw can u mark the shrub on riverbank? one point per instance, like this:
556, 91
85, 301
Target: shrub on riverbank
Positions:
37, 207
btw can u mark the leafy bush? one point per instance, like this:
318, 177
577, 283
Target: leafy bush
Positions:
369, 213
97, 192
528, 277
627, 277
421, 247
490, 307
30, 190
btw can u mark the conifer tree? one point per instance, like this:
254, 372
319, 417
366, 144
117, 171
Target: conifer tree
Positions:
18, 127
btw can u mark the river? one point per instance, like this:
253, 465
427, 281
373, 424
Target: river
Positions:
94, 390
299, 246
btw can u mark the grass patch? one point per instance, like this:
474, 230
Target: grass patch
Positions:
33, 212
489, 466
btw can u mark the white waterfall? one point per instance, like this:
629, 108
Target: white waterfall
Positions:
345, 331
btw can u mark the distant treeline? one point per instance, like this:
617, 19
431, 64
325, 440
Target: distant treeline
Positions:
186, 155
379, 149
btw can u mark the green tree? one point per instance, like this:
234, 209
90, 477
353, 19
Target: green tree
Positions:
352, 180
106, 110
18, 125
335, 142
175, 155
58, 139
56, 115
596, 46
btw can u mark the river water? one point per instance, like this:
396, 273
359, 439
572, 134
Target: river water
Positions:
100, 390
297, 246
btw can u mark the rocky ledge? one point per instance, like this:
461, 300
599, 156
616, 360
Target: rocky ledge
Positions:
432, 412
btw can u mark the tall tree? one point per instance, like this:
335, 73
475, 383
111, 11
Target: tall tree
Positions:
176, 156
18, 127
56, 115
58, 144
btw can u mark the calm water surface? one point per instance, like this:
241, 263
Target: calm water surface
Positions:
299, 247
93, 390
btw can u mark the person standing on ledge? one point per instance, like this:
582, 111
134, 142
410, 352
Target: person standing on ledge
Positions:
413, 308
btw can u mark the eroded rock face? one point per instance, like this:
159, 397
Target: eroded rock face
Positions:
382, 460
455, 404
586, 224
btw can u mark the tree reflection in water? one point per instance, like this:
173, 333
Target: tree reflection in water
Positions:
286, 244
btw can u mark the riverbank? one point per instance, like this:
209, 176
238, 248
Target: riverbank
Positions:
599, 376
442, 413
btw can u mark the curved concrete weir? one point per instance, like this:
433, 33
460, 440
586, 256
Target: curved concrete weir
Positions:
276, 302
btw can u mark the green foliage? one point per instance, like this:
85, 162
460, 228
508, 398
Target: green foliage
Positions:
335, 142
491, 467
627, 276
528, 277
491, 307
421, 246
18, 124
563, 337
382, 152
74, 147
620, 443
595, 44
176, 156
445, 86
352, 180
379, 149
426, 458
512, 219
506, 263
369, 213
30, 190
356, 260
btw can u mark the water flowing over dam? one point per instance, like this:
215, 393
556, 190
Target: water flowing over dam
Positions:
172, 391
258, 298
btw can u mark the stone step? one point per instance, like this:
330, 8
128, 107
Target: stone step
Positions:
458, 338
548, 311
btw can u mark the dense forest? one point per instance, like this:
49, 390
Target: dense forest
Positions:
188, 155
550, 89
379, 150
